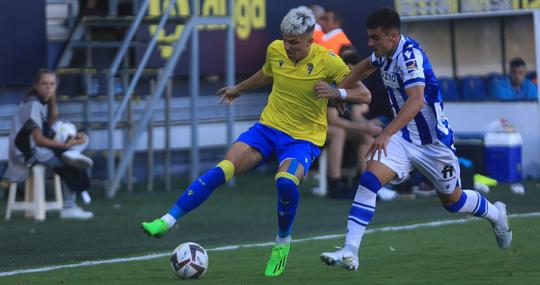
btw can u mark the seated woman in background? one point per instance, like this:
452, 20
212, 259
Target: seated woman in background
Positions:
30, 142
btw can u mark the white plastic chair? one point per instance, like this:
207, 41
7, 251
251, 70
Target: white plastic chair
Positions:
34, 202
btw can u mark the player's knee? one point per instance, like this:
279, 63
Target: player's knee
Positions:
455, 206
370, 181
292, 167
286, 181
287, 187
228, 169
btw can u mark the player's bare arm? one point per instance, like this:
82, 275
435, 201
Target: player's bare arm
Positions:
359, 72
53, 109
44, 141
364, 126
230, 93
412, 106
355, 93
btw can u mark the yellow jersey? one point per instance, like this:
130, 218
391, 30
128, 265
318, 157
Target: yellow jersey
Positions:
292, 107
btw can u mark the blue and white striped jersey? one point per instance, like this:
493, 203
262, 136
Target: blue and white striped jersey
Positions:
409, 66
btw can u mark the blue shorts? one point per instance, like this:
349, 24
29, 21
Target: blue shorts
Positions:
268, 141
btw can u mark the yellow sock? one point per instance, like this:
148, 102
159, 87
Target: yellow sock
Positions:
228, 169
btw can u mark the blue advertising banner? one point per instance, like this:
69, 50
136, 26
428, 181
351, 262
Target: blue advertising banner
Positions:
23, 47
257, 24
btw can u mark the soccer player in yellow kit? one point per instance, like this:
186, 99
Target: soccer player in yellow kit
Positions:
292, 126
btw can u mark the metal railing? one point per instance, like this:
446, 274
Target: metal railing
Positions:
190, 30
110, 87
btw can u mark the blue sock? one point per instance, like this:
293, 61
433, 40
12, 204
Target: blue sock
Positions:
288, 196
198, 192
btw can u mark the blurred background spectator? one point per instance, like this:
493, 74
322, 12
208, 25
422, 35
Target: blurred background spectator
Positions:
318, 33
516, 86
334, 37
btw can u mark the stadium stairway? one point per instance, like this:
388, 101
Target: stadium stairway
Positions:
82, 70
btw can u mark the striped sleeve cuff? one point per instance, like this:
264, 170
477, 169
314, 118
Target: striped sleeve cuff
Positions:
414, 82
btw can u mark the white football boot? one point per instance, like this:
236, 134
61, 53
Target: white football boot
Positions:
76, 159
501, 228
342, 258
76, 213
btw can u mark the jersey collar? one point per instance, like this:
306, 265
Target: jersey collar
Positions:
305, 59
399, 47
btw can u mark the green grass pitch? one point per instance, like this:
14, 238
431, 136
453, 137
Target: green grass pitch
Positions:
245, 214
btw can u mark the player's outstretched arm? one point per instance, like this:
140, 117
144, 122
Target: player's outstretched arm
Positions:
359, 72
356, 93
230, 93
412, 106
364, 126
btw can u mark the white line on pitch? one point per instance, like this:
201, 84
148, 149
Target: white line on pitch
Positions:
234, 247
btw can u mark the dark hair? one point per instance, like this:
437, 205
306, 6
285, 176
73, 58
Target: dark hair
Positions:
39, 74
338, 17
517, 62
385, 18
310, 29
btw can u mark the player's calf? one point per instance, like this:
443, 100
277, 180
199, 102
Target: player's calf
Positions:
474, 203
194, 196
288, 196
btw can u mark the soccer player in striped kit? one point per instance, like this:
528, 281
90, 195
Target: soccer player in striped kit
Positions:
292, 126
418, 137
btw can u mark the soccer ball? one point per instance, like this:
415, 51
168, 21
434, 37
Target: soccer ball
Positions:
64, 131
189, 260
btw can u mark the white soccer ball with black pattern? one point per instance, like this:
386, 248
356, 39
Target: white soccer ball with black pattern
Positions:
189, 261
64, 131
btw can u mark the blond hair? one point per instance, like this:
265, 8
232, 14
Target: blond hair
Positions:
298, 21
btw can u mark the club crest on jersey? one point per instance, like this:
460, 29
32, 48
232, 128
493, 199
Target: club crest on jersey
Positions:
281, 62
309, 68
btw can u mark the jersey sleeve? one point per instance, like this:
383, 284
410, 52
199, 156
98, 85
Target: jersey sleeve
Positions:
337, 69
271, 52
410, 65
34, 119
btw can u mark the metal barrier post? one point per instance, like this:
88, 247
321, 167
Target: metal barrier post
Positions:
168, 96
